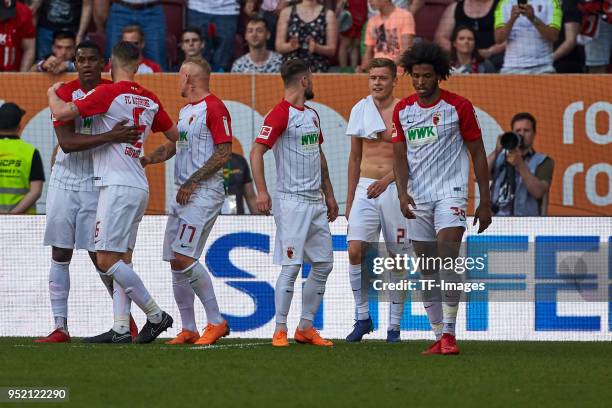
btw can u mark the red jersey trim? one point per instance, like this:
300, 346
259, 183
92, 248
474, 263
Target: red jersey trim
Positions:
469, 127
218, 119
293, 106
275, 123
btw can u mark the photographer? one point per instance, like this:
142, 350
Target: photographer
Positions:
521, 178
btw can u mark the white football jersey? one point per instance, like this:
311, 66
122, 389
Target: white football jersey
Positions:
438, 165
74, 171
201, 125
118, 163
294, 134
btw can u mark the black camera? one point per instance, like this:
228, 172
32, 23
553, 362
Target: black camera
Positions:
511, 141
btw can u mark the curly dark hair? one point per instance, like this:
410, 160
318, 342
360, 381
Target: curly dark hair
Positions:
426, 53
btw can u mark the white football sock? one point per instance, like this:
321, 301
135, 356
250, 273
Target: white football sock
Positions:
107, 281
362, 308
135, 289
432, 301
59, 287
451, 302
450, 316
184, 296
200, 282
396, 310
121, 308
397, 298
283, 294
313, 291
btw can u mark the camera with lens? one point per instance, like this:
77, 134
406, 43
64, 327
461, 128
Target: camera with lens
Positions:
511, 141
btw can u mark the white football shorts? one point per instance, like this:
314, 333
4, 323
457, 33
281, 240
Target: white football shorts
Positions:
71, 218
120, 210
369, 215
189, 225
434, 216
302, 232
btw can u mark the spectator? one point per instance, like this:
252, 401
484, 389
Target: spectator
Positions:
465, 59
529, 34
270, 9
599, 36
55, 15
192, 46
413, 6
568, 56
219, 20
521, 178
350, 40
21, 168
62, 54
388, 33
17, 43
148, 14
479, 16
134, 35
259, 58
307, 31
238, 187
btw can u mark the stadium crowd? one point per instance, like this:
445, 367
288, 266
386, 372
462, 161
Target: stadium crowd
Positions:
482, 36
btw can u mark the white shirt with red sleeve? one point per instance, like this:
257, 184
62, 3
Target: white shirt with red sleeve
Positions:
294, 135
118, 163
201, 125
438, 165
74, 171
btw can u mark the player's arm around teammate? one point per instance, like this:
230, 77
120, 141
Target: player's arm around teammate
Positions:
124, 187
72, 197
203, 149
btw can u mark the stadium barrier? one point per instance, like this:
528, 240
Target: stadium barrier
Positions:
574, 115
239, 256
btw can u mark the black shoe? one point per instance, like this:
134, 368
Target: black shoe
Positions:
150, 331
110, 336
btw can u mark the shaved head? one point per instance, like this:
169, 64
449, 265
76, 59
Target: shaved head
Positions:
197, 66
194, 74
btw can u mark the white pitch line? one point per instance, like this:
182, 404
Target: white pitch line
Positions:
197, 348
223, 346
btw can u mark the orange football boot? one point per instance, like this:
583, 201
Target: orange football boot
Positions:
185, 337
212, 333
311, 336
280, 339
56, 336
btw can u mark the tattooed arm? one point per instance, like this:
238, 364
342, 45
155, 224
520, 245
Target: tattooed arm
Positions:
161, 154
328, 189
223, 152
61, 110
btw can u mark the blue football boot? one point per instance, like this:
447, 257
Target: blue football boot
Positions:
393, 336
360, 328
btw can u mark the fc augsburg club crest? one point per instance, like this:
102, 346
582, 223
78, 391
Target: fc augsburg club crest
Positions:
436, 118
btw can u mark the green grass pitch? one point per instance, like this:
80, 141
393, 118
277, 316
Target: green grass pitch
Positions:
250, 373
